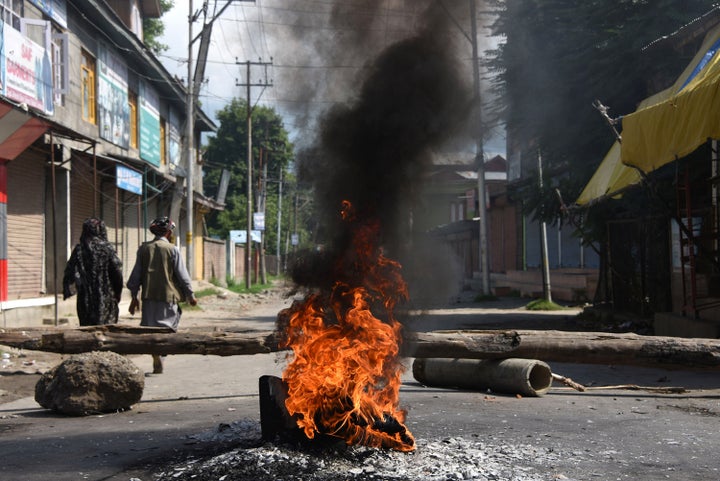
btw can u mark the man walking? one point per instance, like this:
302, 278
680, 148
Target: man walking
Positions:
160, 271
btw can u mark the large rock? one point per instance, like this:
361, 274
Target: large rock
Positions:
90, 383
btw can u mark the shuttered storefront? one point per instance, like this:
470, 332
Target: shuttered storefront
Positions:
110, 210
26, 226
81, 195
133, 232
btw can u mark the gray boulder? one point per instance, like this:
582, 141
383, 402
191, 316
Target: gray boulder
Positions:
91, 383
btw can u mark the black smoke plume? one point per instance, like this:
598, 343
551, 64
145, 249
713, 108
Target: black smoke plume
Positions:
373, 152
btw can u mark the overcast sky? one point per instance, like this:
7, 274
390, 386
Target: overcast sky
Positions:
318, 48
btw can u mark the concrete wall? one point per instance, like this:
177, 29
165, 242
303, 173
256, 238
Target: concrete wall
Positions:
568, 285
214, 260
676, 325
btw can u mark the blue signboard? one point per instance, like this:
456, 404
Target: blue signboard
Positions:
128, 179
55, 9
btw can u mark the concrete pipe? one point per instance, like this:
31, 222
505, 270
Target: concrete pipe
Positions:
528, 377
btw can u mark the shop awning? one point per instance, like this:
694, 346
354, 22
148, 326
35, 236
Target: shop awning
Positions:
666, 126
18, 130
610, 179
675, 126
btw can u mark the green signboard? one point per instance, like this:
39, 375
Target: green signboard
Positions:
149, 124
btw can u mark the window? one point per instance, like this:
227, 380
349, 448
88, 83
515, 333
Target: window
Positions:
59, 66
12, 12
136, 21
133, 103
87, 79
457, 211
163, 142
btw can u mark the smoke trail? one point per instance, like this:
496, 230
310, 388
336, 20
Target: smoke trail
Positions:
373, 151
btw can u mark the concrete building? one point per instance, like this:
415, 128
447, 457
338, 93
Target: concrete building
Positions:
91, 124
449, 212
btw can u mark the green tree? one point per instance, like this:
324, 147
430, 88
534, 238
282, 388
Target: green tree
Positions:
559, 56
271, 152
153, 28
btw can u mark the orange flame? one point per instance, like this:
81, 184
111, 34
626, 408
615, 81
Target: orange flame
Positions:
344, 378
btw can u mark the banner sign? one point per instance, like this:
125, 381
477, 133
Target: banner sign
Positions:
113, 106
27, 72
259, 220
240, 236
174, 138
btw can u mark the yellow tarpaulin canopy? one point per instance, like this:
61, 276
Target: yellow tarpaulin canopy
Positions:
611, 177
673, 128
666, 126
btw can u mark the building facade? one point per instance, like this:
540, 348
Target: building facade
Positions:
91, 124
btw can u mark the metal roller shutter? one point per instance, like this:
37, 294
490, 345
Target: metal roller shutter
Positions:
26, 227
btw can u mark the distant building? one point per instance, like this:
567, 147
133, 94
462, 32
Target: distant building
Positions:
448, 211
667, 260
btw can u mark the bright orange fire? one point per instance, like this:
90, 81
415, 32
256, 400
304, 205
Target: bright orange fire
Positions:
344, 378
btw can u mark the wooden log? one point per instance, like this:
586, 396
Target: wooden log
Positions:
140, 340
555, 346
568, 346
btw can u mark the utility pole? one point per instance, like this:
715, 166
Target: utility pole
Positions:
248, 119
480, 156
279, 181
279, 219
189, 140
543, 241
192, 89
262, 197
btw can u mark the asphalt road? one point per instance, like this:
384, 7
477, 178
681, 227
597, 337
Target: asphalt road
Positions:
604, 434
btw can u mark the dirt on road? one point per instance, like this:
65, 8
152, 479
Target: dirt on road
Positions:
21, 369
207, 406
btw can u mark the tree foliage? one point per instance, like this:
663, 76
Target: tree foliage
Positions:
272, 152
558, 57
153, 28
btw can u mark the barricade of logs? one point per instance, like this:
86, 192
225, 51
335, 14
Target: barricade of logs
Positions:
556, 346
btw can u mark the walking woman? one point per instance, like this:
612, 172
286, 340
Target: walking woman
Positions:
95, 271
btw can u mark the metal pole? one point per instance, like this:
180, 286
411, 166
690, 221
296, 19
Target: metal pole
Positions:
279, 220
543, 241
53, 203
189, 127
295, 215
95, 185
480, 158
261, 208
248, 245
